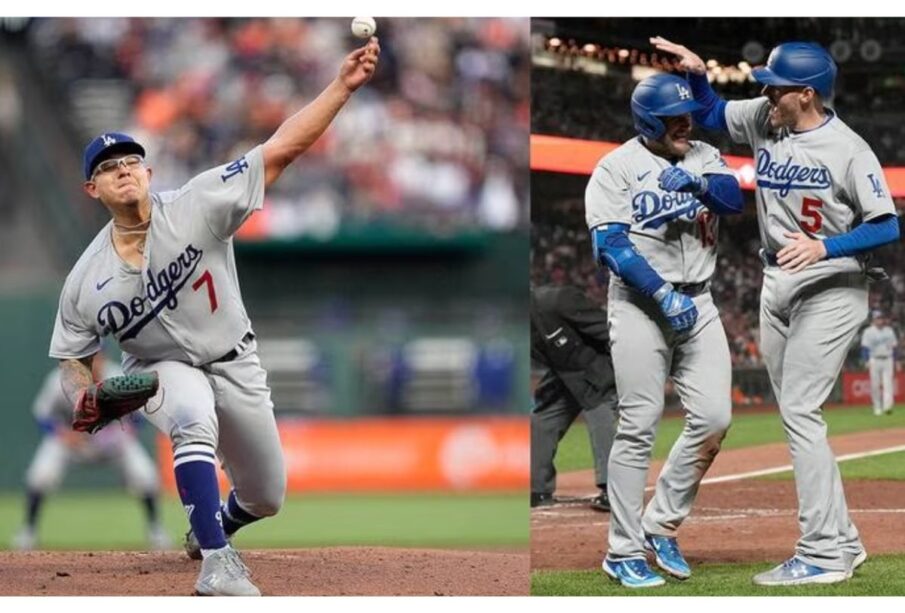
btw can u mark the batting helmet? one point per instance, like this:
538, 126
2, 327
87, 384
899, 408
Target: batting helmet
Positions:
662, 95
806, 64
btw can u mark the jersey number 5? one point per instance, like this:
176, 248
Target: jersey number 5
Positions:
810, 209
206, 278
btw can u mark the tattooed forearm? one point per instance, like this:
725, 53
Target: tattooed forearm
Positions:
75, 377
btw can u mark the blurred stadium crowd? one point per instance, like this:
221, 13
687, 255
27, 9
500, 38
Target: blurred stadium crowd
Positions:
583, 76
438, 135
570, 97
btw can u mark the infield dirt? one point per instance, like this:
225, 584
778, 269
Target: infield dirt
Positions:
746, 520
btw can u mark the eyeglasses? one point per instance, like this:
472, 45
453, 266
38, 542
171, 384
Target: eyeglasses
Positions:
130, 162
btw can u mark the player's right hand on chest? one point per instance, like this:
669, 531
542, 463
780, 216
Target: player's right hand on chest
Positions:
679, 309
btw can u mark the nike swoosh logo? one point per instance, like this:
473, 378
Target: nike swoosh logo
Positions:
554, 333
100, 286
641, 177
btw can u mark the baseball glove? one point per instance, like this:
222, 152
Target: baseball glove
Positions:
111, 399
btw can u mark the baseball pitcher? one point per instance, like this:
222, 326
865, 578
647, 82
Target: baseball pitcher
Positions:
878, 349
161, 279
652, 207
822, 204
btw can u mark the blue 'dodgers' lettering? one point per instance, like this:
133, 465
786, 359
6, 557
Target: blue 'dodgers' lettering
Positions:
653, 209
786, 176
161, 291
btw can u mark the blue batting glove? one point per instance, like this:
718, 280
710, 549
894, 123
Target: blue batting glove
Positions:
680, 311
675, 179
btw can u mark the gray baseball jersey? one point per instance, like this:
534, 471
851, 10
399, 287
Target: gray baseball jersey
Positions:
184, 303
822, 181
672, 230
879, 341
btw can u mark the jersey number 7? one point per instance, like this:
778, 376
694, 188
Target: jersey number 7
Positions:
810, 209
206, 278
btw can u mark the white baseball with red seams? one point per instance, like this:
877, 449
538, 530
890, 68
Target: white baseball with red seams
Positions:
364, 27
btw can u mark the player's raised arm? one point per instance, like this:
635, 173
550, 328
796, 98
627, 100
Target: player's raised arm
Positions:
712, 115
300, 131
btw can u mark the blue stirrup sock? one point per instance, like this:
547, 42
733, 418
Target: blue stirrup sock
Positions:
234, 516
196, 477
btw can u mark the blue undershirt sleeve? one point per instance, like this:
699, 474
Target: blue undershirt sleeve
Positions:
613, 248
723, 195
713, 115
866, 237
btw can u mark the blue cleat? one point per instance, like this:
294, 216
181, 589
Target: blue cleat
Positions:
667, 555
798, 572
633, 572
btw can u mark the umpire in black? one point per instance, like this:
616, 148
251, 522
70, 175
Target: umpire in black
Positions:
570, 343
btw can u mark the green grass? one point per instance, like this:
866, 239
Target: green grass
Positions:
880, 576
747, 430
112, 520
889, 466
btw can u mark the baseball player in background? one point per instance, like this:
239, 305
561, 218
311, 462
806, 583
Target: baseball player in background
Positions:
652, 206
61, 446
161, 279
822, 204
570, 342
878, 349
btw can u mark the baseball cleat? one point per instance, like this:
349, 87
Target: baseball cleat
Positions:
667, 555
798, 572
24, 540
159, 540
601, 502
854, 561
224, 574
633, 573
193, 547
541, 500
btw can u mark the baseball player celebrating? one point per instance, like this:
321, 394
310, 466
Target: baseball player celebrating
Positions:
652, 207
161, 279
822, 203
61, 447
878, 348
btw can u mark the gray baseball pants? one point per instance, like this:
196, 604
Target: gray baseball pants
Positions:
645, 352
808, 322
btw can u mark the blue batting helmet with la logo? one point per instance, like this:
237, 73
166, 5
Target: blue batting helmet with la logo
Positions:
662, 95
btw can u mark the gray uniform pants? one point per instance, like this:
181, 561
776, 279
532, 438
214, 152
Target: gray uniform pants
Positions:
549, 424
808, 322
645, 352
226, 406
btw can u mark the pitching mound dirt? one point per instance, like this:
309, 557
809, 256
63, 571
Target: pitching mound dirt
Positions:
341, 571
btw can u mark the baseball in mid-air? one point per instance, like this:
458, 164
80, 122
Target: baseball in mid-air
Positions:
364, 27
